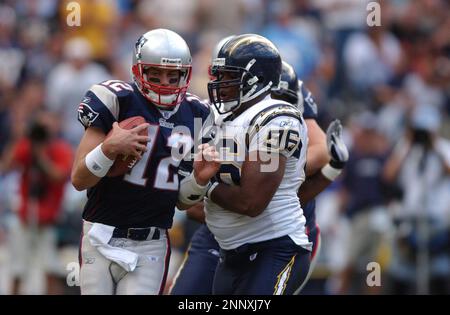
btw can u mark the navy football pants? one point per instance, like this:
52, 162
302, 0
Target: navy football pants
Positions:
196, 274
274, 267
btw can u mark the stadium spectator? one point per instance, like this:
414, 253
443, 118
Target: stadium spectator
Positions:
420, 165
44, 164
67, 83
376, 52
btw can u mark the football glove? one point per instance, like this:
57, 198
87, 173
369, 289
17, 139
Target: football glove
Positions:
336, 146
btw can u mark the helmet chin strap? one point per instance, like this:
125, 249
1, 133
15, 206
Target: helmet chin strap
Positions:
219, 118
250, 96
227, 106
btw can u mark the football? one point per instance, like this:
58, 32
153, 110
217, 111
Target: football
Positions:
124, 163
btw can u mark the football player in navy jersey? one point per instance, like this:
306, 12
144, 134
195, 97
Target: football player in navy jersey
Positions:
196, 273
124, 246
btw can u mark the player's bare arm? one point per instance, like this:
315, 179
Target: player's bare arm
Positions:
121, 141
256, 190
313, 186
338, 152
317, 156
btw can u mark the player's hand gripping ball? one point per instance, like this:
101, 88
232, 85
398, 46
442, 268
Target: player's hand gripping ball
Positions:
124, 163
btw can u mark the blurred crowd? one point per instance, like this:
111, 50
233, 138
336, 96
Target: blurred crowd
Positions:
389, 84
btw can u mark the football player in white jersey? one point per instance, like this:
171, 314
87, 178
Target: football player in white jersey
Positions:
253, 209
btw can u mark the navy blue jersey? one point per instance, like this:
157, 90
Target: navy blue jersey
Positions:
309, 105
147, 195
309, 211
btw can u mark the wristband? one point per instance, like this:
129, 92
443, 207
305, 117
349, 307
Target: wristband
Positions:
190, 191
330, 172
97, 162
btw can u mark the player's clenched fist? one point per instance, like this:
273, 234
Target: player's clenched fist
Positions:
206, 163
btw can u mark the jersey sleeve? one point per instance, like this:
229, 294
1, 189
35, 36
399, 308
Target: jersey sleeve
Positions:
310, 109
100, 105
200, 108
280, 135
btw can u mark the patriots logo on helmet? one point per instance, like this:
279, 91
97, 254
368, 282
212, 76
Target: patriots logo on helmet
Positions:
139, 44
86, 115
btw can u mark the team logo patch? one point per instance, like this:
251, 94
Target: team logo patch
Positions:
138, 46
86, 115
214, 252
283, 85
286, 123
89, 260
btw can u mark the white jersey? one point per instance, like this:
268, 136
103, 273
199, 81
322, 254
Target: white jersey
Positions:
269, 126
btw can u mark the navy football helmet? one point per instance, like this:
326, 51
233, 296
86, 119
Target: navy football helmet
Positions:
215, 53
249, 65
289, 87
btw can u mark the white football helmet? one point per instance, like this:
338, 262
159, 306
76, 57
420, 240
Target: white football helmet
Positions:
162, 48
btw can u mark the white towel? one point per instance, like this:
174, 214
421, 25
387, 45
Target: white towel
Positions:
99, 237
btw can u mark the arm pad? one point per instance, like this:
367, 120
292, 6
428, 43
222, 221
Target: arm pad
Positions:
191, 192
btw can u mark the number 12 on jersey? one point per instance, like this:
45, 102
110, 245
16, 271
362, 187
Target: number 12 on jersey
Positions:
164, 178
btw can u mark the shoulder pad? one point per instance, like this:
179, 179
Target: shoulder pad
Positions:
199, 107
270, 113
194, 99
109, 92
